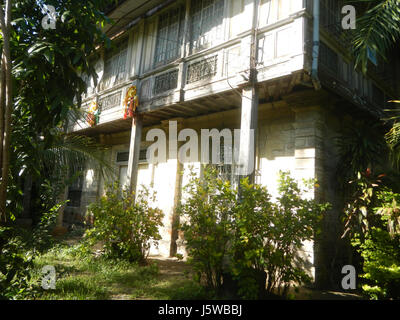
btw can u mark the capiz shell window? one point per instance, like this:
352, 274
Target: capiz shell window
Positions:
115, 70
169, 36
206, 23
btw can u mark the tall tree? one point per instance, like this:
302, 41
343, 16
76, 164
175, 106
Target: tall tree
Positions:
6, 103
45, 66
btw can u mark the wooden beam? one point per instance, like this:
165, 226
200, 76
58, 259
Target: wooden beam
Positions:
168, 114
188, 109
134, 152
199, 106
176, 109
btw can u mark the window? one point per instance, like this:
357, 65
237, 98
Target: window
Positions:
169, 36
206, 23
122, 167
225, 171
115, 66
330, 15
272, 11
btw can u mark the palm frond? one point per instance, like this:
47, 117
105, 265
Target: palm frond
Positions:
75, 152
378, 29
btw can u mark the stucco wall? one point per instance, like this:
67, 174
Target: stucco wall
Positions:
288, 139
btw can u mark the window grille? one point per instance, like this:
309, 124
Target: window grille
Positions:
330, 16
330, 20
203, 69
206, 23
225, 171
165, 82
111, 101
122, 156
169, 36
143, 156
329, 58
115, 66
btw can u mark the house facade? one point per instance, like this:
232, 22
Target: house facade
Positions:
279, 67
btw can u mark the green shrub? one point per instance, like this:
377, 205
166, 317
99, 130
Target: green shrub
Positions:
380, 250
18, 248
270, 234
15, 265
252, 239
207, 228
125, 226
381, 264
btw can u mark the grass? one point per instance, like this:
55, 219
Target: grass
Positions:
84, 277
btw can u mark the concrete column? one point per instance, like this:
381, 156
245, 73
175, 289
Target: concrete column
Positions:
134, 151
248, 132
309, 134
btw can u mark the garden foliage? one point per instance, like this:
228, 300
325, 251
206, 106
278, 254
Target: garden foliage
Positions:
250, 238
126, 226
379, 244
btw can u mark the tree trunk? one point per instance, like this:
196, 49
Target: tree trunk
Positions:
5, 22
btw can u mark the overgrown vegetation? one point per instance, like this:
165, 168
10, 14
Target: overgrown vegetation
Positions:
126, 225
251, 239
82, 276
18, 249
373, 221
42, 81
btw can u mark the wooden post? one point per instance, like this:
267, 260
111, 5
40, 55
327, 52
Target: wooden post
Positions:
134, 151
173, 153
248, 129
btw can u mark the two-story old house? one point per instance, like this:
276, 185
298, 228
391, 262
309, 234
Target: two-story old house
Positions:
280, 67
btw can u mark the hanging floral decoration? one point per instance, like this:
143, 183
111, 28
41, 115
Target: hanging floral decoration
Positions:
131, 103
93, 115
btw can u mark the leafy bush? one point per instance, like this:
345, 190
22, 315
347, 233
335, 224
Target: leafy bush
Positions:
15, 264
270, 234
127, 227
250, 238
42, 239
18, 248
381, 264
208, 213
379, 247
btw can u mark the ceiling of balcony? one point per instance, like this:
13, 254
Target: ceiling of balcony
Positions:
130, 10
